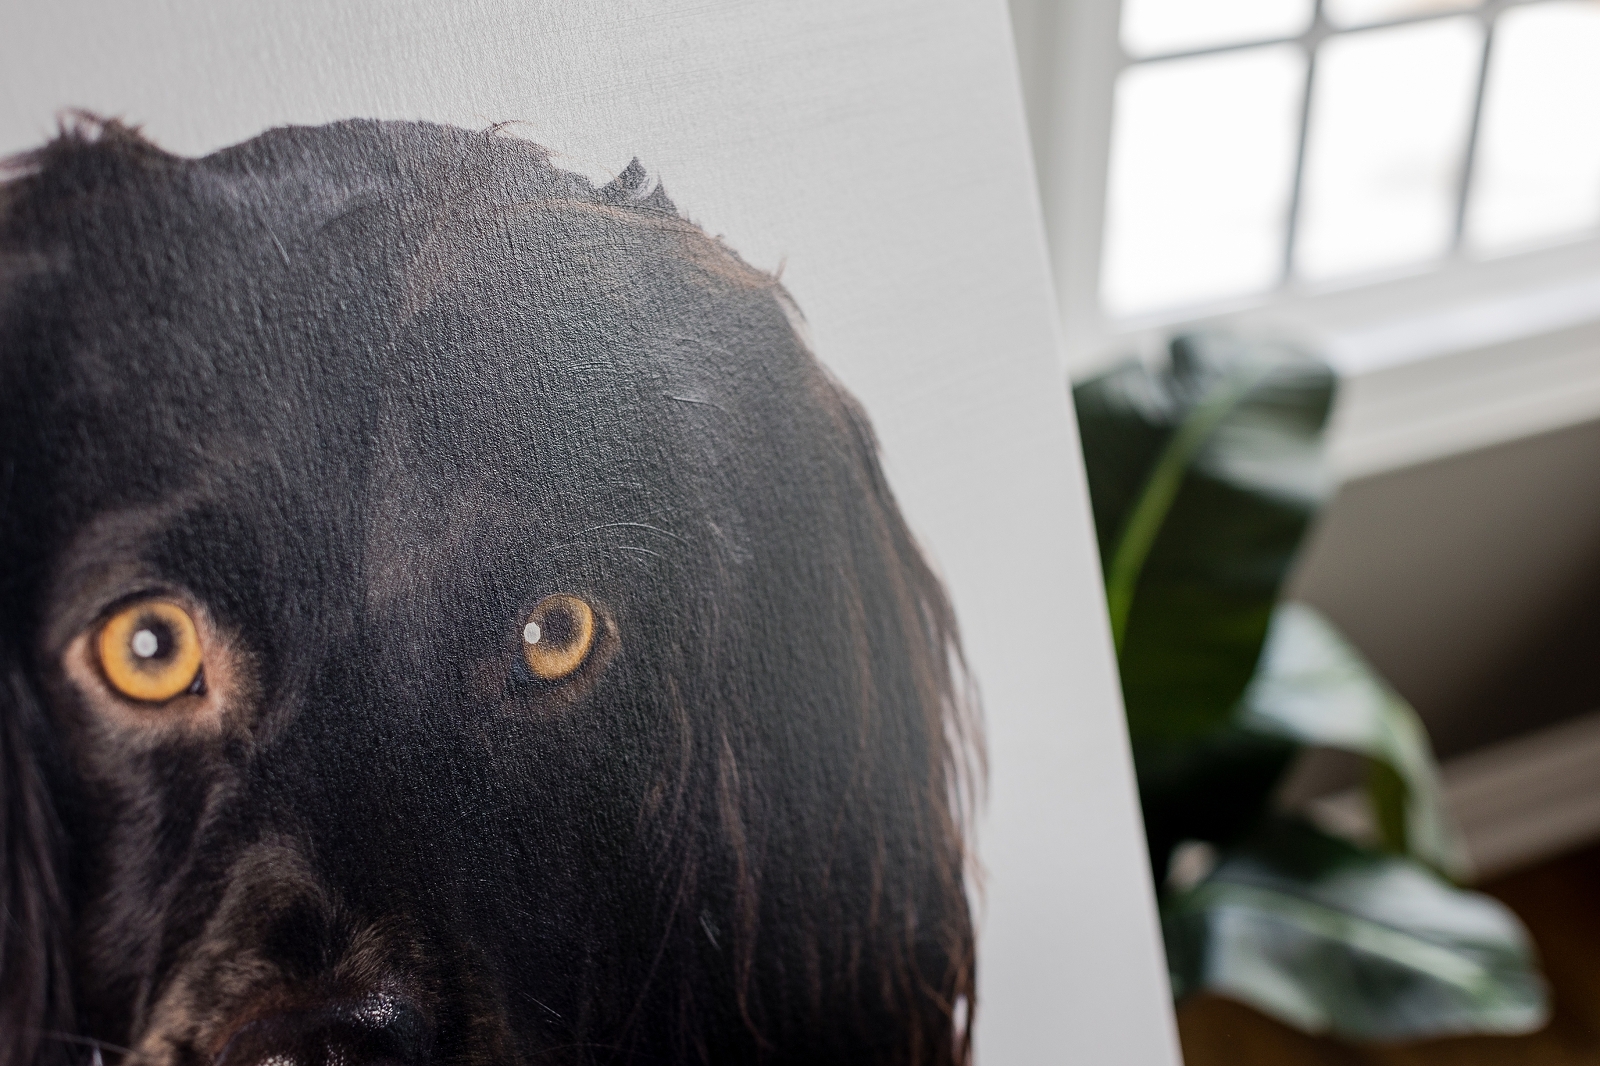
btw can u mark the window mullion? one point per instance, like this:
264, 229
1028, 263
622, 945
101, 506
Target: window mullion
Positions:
1470, 149
1310, 41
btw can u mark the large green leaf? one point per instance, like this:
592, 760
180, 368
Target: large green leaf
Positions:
1204, 475
1213, 788
1313, 688
1331, 938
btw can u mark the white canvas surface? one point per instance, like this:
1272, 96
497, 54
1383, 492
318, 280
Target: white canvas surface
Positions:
877, 153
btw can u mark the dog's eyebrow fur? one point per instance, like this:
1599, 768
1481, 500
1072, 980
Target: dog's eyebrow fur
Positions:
103, 563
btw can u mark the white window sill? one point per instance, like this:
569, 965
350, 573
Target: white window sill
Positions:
1431, 365
1430, 385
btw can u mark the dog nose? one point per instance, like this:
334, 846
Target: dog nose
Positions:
375, 1030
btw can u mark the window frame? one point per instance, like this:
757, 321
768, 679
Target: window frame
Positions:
1543, 356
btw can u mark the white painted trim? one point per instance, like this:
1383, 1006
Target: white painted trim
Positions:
1516, 803
1425, 386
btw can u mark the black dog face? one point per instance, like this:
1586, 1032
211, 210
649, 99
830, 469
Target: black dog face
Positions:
448, 616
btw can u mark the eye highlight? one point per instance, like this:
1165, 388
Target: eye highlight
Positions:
149, 651
558, 636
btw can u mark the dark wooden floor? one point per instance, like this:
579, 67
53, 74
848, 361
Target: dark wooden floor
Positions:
1560, 902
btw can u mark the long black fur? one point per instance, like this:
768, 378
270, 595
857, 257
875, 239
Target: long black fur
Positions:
366, 392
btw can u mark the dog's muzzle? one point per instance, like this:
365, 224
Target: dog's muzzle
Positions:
379, 1029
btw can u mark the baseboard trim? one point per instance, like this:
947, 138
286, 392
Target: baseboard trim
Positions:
1515, 803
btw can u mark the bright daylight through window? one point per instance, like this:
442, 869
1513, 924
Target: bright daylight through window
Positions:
1261, 145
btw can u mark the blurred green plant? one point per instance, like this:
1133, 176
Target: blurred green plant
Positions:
1205, 474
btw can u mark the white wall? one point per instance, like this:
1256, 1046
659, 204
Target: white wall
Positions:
1459, 577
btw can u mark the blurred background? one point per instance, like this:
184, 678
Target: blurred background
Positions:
1408, 191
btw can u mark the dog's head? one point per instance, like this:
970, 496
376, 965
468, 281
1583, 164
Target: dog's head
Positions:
447, 615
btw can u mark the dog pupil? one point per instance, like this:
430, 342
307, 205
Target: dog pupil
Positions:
558, 627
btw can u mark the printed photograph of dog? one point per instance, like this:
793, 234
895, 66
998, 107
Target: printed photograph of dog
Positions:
448, 615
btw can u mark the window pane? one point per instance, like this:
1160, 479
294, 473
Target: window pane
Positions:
1389, 116
1538, 167
1366, 12
1202, 157
1150, 27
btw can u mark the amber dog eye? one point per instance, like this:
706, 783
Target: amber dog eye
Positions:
558, 636
149, 651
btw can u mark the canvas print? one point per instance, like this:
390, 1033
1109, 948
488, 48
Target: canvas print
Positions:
451, 616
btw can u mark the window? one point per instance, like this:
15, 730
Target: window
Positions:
1287, 141
1356, 172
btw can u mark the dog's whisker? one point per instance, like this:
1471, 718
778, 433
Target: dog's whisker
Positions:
578, 537
698, 402
585, 1045
125, 1054
88, 1041
633, 525
701, 343
553, 1012
607, 367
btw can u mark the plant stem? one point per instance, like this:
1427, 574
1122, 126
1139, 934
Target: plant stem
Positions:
1160, 490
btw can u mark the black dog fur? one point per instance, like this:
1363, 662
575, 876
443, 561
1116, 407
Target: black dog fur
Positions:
363, 394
